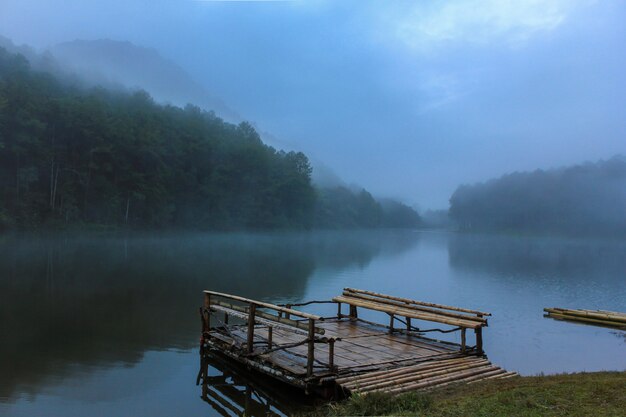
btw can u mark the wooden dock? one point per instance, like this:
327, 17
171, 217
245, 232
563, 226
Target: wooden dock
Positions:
343, 354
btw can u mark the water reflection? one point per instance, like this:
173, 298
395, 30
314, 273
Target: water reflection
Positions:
231, 391
98, 301
538, 257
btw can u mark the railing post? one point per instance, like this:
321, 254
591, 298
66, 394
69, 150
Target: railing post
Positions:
479, 340
270, 331
463, 339
408, 324
311, 353
287, 315
391, 318
353, 312
207, 313
338, 310
251, 315
479, 337
331, 353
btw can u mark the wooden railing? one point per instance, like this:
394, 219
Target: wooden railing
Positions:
257, 312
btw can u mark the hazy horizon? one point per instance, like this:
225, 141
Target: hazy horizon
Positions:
408, 100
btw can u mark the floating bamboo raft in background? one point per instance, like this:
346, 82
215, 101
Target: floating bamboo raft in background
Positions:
611, 319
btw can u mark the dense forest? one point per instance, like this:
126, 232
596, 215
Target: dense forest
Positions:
582, 199
76, 156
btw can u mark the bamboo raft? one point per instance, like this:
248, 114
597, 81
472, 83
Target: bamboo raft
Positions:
343, 354
612, 319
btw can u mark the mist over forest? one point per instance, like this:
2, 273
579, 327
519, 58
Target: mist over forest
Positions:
74, 155
583, 199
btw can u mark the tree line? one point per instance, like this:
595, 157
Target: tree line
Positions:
76, 156
582, 199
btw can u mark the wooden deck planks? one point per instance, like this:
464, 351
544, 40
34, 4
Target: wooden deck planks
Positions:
361, 345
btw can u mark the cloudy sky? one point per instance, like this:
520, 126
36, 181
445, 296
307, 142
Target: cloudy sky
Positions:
407, 98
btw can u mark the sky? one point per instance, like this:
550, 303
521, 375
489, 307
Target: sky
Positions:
408, 99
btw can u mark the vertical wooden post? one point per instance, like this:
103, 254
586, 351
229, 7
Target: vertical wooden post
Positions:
225, 318
463, 339
251, 315
479, 340
331, 353
479, 337
338, 310
391, 318
311, 353
408, 324
207, 313
287, 315
270, 333
353, 312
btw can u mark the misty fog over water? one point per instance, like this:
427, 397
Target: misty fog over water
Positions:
110, 323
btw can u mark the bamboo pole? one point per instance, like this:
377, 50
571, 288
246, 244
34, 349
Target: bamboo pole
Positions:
472, 379
250, 343
463, 344
587, 320
404, 304
353, 312
417, 376
408, 369
407, 300
265, 305
311, 349
440, 380
502, 374
207, 312
420, 373
392, 364
260, 320
614, 316
300, 325
509, 375
408, 312
479, 340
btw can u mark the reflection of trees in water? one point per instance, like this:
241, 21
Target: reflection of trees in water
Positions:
102, 300
567, 258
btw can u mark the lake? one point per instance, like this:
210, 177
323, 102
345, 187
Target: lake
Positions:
108, 325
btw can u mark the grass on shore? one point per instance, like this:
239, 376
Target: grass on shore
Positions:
583, 394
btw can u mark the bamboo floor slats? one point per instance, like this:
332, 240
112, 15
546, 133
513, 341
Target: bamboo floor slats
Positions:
427, 375
603, 318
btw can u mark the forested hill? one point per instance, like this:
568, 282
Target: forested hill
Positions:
582, 199
76, 156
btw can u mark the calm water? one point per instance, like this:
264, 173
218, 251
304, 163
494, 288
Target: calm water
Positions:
105, 326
